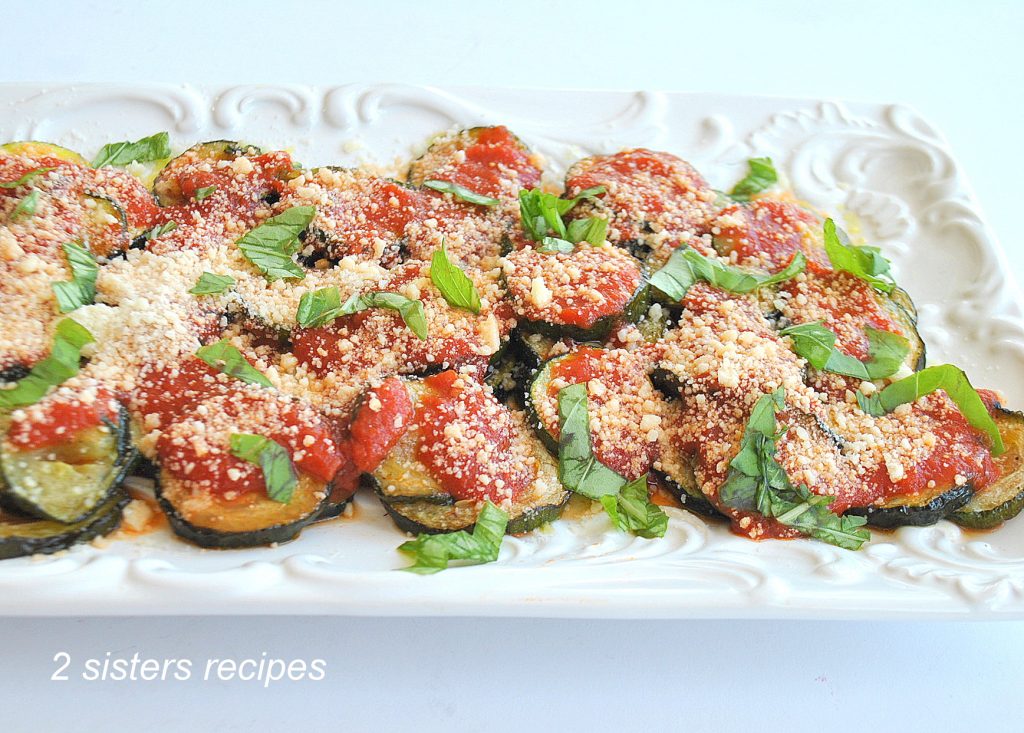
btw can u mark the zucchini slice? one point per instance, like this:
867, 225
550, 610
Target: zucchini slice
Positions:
1004, 499
678, 476
39, 151
166, 187
895, 304
68, 482
249, 521
21, 536
105, 228
419, 503
920, 510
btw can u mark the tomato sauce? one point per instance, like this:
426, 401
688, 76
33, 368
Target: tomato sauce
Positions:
847, 305
59, 418
647, 188
773, 230
209, 464
379, 423
170, 391
494, 156
464, 436
627, 450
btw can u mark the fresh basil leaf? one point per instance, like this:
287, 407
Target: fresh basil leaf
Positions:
27, 206
549, 245
210, 283
951, 380
864, 262
410, 310
161, 229
762, 175
81, 289
270, 246
686, 266
55, 369
202, 193
756, 482
578, 468
433, 552
816, 344
592, 230
25, 179
279, 474
226, 358
461, 193
319, 307
541, 213
632, 511
146, 150
454, 284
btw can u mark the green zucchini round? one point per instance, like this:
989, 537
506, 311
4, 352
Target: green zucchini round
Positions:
166, 188
36, 150
253, 521
1004, 499
632, 312
22, 536
920, 510
45, 483
418, 503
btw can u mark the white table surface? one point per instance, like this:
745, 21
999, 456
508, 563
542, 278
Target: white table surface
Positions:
959, 63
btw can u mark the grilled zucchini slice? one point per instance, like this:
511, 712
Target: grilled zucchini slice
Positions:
40, 150
68, 482
419, 503
251, 520
678, 475
1004, 499
166, 188
21, 536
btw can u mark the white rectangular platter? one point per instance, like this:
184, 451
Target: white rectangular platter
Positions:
882, 164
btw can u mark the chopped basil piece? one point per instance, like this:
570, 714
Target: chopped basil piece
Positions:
161, 229
202, 193
270, 246
55, 369
27, 206
454, 284
541, 213
578, 468
762, 175
432, 552
461, 193
24, 180
320, 307
816, 343
865, 262
410, 310
226, 358
758, 483
686, 266
592, 230
554, 244
951, 380
632, 511
273, 459
626, 502
146, 150
210, 283
81, 289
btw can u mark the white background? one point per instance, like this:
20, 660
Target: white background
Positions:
959, 63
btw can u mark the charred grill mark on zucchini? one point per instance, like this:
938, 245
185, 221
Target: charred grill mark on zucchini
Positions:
1004, 499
